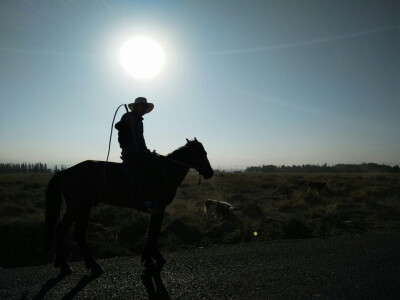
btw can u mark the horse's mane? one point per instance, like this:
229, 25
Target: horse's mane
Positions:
178, 152
182, 152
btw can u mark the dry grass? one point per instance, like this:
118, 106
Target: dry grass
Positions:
352, 203
275, 206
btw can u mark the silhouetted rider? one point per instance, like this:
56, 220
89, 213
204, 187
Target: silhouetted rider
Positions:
137, 158
130, 134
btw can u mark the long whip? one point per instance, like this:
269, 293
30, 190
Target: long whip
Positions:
109, 144
112, 127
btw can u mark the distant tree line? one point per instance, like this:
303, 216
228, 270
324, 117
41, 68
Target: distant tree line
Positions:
62, 168
339, 168
28, 168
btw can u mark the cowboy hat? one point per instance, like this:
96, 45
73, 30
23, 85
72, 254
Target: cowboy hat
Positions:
142, 100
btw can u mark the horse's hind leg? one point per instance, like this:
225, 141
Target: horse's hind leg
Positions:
62, 230
80, 235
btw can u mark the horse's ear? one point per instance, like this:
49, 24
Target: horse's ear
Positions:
195, 139
187, 140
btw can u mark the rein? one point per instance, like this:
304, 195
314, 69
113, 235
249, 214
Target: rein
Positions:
191, 195
198, 182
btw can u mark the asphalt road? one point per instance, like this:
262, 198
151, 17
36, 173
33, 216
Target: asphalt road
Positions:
347, 267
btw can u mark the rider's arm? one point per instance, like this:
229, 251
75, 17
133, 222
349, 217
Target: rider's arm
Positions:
139, 143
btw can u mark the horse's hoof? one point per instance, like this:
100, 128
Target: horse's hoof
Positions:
65, 270
96, 272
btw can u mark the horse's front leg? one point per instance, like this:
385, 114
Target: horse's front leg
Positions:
151, 249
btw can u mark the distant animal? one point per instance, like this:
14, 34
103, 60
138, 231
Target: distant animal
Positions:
218, 209
317, 186
90, 182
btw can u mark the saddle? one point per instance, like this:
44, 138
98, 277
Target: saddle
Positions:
147, 186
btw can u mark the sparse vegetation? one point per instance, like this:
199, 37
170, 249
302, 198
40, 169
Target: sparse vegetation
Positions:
275, 206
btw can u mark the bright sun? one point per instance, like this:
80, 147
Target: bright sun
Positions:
142, 57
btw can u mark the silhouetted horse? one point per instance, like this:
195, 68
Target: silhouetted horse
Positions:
90, 182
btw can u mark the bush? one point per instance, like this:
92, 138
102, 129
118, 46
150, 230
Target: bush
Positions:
132, 231
22, 241
285, 190
313, 199
183, 233
325, 227
10, 210
236, 236
296, 229
105, 215
253, 211
221, 230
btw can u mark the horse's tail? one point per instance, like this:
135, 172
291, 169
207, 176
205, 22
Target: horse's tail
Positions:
53, 207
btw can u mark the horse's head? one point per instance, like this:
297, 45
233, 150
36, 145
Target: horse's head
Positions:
199, 158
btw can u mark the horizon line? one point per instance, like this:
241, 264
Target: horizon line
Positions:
219, 167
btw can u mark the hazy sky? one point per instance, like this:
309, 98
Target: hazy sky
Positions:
258, 82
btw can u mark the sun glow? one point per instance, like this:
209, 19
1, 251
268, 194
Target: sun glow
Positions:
142, 57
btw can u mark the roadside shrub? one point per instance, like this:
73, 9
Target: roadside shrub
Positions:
22, 240
131, 231
285, 190
313, 199
316, 212
235, 237
325, 227
10, 210
253, 211
183, 233
105, 215
380, 178
296, 229
380, 192
219, 231
236, 198
39, 200
28, 186
289, 205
